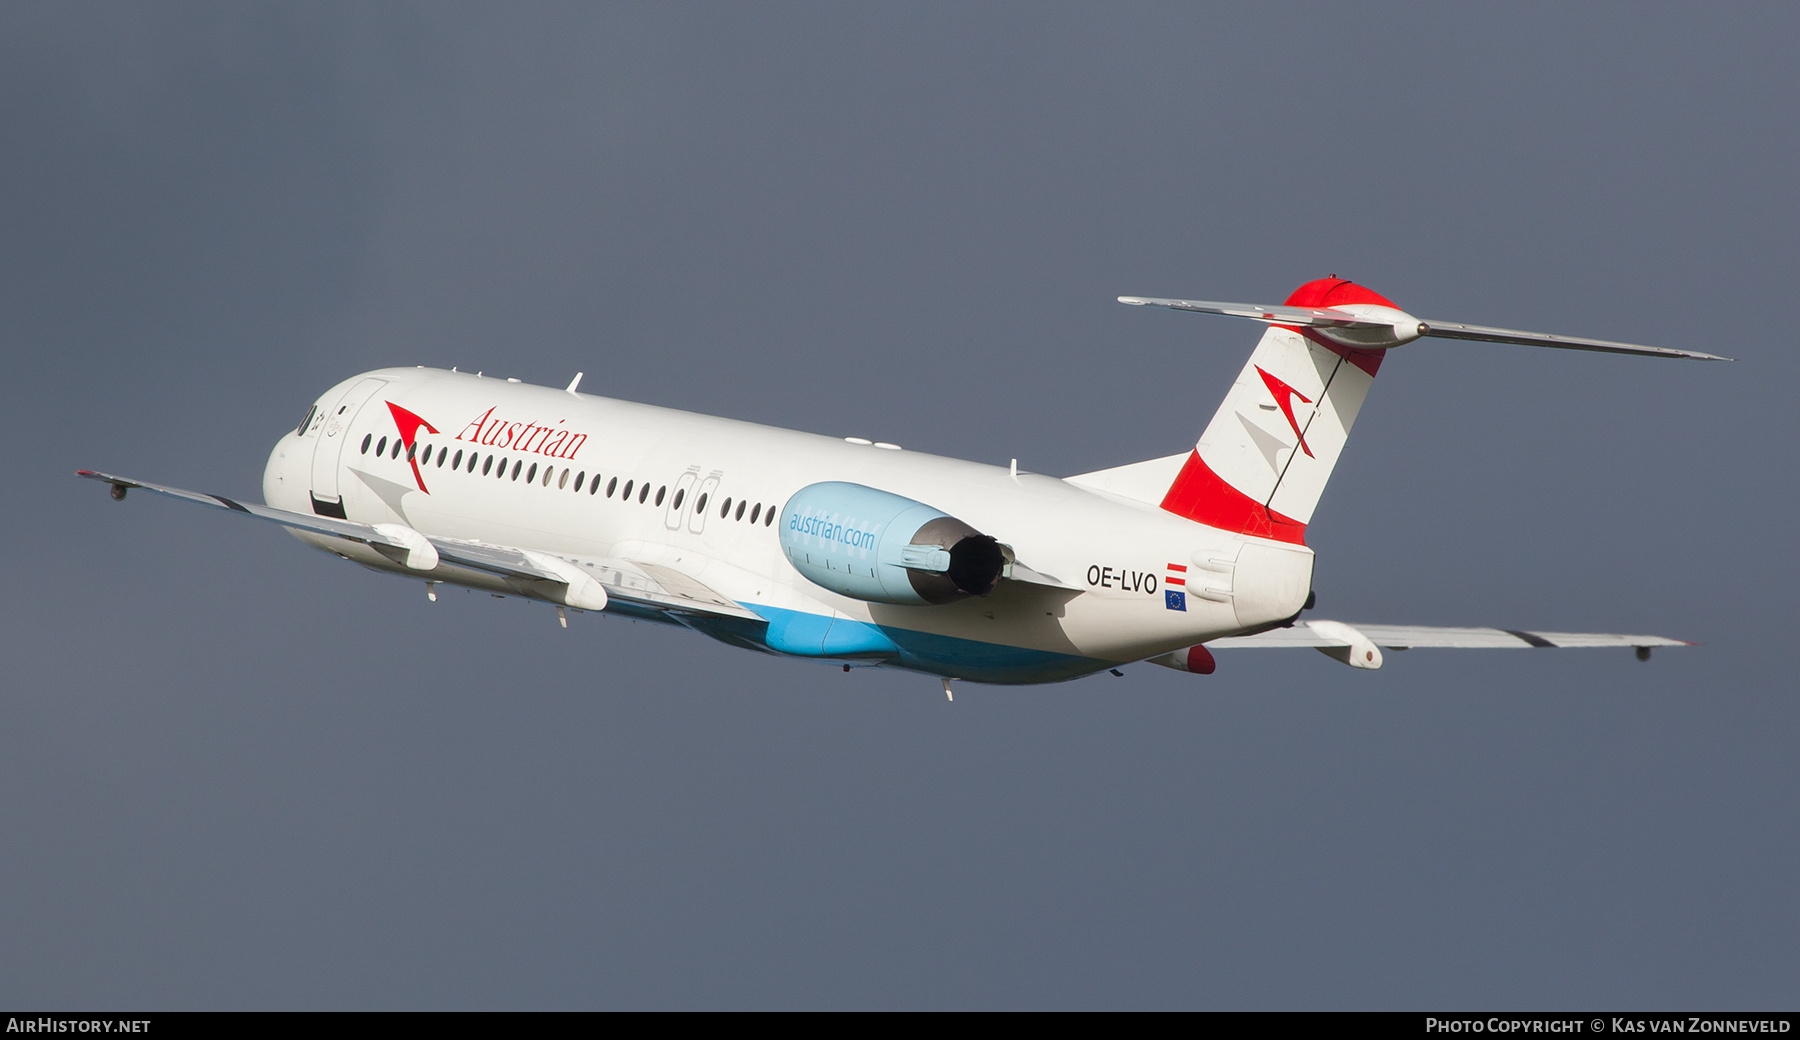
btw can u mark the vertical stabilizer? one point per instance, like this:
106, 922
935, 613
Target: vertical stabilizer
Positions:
1263, 461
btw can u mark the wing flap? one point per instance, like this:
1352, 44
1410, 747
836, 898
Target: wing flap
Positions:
673, 590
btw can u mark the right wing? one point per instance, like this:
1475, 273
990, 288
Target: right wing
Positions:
587, 583
1405, 637
1358, 645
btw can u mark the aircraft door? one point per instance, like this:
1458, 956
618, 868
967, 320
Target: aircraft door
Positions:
703, 499
682, 499
329, 449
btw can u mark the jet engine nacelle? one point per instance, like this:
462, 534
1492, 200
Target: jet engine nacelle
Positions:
884, 548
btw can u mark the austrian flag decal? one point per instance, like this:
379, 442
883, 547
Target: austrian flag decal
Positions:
1175, 588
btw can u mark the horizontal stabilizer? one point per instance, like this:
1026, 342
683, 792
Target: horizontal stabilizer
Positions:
1373, 328
1483, 334
1315, 317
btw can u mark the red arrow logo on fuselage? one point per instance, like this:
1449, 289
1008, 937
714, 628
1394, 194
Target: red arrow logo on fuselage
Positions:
1284, 396
409, 424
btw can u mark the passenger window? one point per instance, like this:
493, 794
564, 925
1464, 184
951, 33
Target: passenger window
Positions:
699, 507
500, 471
659, 492
516, 466
397, 447
531, 474
627, 493
643, 494
551, 470
441, 453
456, 463
579, 478
489, 464
740, 512
411, 450
725, 508
613, 483
367, 437
769, 517
680, 493
755, 511
381, 449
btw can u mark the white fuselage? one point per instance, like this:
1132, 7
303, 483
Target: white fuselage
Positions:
1115, 555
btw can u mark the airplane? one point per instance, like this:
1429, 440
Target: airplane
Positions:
860, 553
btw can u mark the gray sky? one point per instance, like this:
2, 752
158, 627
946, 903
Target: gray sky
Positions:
235, 772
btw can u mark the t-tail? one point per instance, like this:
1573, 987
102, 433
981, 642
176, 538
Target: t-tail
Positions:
1264, 459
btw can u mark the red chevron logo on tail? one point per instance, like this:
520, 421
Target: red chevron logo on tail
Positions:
1284, 396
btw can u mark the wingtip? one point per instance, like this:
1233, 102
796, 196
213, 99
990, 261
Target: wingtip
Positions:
1132, 301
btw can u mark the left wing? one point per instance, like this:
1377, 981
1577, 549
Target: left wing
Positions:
586, 583
1360, 645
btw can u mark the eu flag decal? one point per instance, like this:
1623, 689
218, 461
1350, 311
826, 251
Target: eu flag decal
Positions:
1175, 587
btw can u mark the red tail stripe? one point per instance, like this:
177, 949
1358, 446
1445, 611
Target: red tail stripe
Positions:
1202, 496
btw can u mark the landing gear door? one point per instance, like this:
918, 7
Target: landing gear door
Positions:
683, 499
328, 450
708, 488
